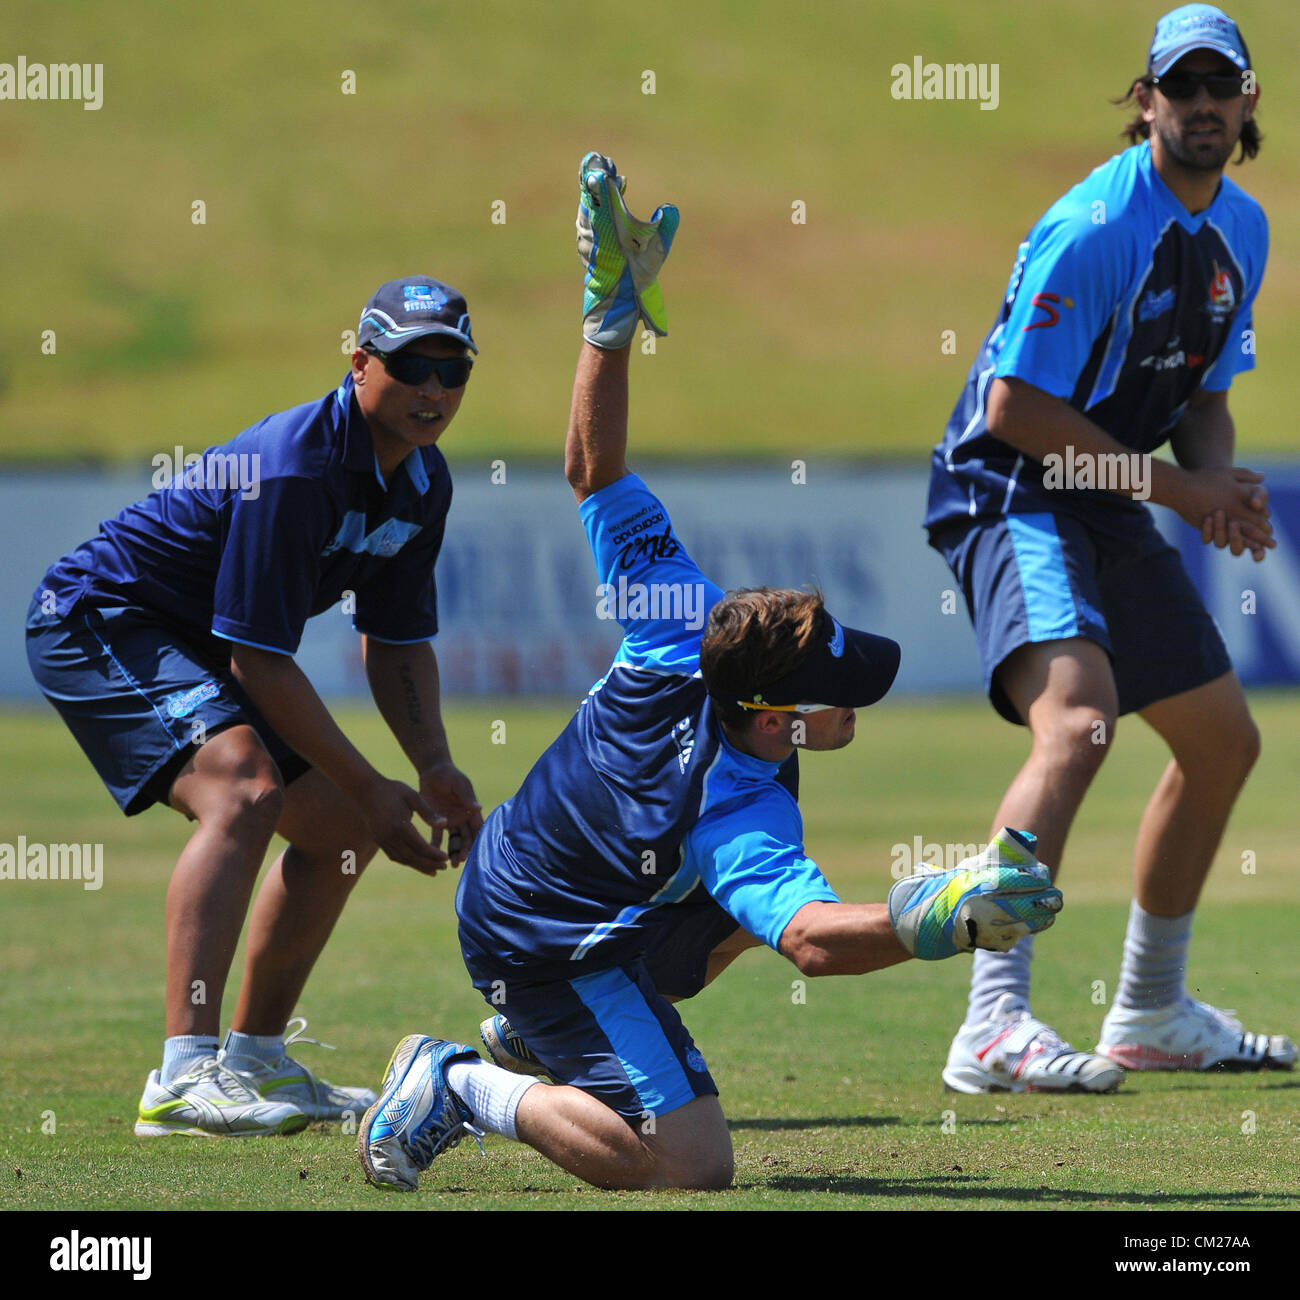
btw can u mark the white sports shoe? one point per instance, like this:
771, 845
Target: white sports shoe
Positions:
1189, 1035
211, 1101
291, 1081
1013, 1052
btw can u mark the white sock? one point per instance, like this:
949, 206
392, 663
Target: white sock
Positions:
183, 1052
1155, 960
266, 1048
996, 973
493, 1094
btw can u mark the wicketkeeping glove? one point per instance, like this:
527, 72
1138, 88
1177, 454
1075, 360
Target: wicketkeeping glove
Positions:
622, 257
990, 901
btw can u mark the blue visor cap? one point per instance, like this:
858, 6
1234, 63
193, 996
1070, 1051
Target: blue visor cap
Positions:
1195, 27
845, 668
412, 308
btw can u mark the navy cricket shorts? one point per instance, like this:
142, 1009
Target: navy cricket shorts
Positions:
609, 1032
1110, 578
131, 691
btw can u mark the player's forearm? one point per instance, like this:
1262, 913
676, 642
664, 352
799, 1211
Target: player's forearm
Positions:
407, 690
842, 939
1205, 437
1039, 425
289, 702
595, 448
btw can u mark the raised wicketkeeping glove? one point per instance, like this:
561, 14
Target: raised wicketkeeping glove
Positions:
622, 257
990, 901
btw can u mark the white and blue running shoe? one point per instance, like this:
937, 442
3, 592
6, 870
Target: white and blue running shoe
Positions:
417, 1114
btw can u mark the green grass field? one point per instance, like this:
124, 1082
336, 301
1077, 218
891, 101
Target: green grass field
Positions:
834, 1101
822, 338
788, 340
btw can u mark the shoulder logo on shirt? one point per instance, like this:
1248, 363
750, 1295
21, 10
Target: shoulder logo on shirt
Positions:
1155, 304
836, 642
423, 297
1223, 297
695, 1061
1047, 302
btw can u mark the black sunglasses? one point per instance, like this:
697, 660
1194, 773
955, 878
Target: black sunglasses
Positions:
413, 369
1184, 85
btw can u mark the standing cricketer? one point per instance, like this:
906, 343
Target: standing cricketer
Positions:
167, 644
1128, 313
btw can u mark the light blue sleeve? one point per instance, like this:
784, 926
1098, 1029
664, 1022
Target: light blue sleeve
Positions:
751, 860
645, 579
1070, 286
1238, 353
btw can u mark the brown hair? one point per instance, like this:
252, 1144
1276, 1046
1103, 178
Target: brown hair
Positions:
1137, 129
755, 636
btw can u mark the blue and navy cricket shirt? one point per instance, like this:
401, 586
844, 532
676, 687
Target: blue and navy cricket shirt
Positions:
1123, 304
250, 559
641, 801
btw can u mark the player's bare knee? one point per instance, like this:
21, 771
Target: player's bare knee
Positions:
352, 847
709, 1171
351, 857
1242, 745
1227, 756
692, 1148
1077, 740
364, 854
254, 806
717, 1175
1250, 745
350, 838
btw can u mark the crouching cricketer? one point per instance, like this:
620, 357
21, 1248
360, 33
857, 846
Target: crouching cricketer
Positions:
167, 644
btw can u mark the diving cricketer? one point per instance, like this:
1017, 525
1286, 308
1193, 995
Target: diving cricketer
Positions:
659, 836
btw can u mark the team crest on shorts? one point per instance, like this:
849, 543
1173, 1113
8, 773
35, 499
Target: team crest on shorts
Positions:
183, 703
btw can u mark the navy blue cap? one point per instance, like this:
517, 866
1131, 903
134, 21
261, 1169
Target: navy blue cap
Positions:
846, 668
412, 308
1195, 27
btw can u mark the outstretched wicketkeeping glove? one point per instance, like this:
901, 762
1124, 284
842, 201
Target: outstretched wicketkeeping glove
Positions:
990, 901
622, 257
